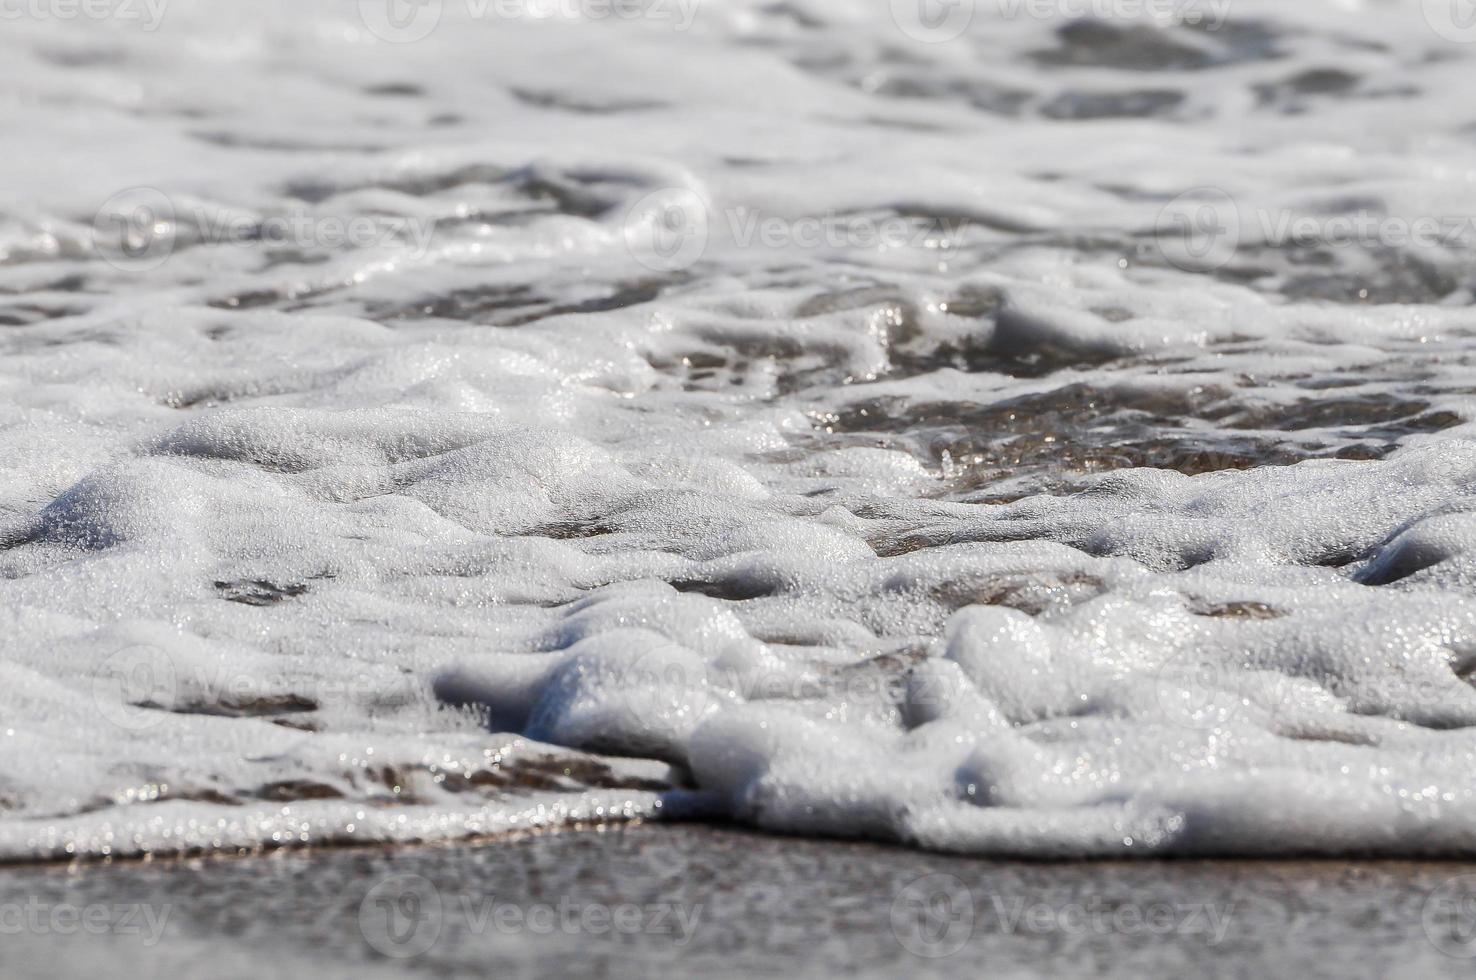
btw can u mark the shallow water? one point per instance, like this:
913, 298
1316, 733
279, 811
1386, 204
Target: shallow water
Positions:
1048, 440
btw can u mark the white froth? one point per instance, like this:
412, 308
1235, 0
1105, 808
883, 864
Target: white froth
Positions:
1016, 537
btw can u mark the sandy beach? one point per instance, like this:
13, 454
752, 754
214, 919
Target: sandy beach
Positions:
651, 900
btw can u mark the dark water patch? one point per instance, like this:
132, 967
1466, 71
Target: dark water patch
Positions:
582, 105
895, 545
84, 57
1376, 414
291, 790
396, 90
1295, 92
1375, 276
73, 282
475, 305
549, 773
519, 304
845, 300
1337, 556
1073, 406
291, 255
573, 192
1365, 451
213, 796
792, 13
583, 194
1058, 463
1087, 43
1328, 737
1240, 40
975, 302
994, 349
258, 592
728, 590
241, 141
1331, 272
1234, 610
986, 96
1134, 104
1327, 384
1032, 593
1082, 43
1061, 435
827, 62
26, 314
953, 222
574, 530
262, 706
287, 298
886, 122
1401, 558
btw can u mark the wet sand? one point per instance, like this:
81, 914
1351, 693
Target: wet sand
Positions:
696, 900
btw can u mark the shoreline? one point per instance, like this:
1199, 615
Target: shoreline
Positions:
272, 851
626, 900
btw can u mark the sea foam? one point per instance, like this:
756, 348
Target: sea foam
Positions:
774, 417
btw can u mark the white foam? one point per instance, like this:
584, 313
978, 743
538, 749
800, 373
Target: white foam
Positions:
497, 527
